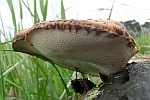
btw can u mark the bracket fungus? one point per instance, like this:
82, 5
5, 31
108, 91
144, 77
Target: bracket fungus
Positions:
90, 46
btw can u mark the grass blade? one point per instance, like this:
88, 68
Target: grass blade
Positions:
35, 15
67, 90
2, 86
111, 11
14, 84
36, 19
21, 84
14, 66
11, 8
63, 16
44, 74
41, 5
37, 79
52, 98
28, 8
143, 39
21, 13
44, 8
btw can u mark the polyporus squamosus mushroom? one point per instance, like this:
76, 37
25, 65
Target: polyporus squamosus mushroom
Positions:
90, 46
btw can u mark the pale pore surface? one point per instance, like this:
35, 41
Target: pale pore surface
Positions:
85, 51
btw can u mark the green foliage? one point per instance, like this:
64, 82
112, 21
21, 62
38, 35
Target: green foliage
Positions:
10, 4
143, 42
44, 8
111, 10
62, 10
27, 77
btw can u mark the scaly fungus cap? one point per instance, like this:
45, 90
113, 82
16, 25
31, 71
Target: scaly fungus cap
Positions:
89, 46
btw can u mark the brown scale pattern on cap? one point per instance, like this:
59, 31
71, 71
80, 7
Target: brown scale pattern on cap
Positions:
20, 35
115, 29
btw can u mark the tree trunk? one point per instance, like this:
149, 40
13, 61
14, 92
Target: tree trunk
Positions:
133, 84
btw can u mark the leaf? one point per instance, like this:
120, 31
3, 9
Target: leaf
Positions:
21, 14
111, 10
44, 8
62, 10
11, 8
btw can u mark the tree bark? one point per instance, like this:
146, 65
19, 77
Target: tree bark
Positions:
133, 84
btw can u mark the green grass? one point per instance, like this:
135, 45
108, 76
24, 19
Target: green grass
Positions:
143, 42
29, 78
